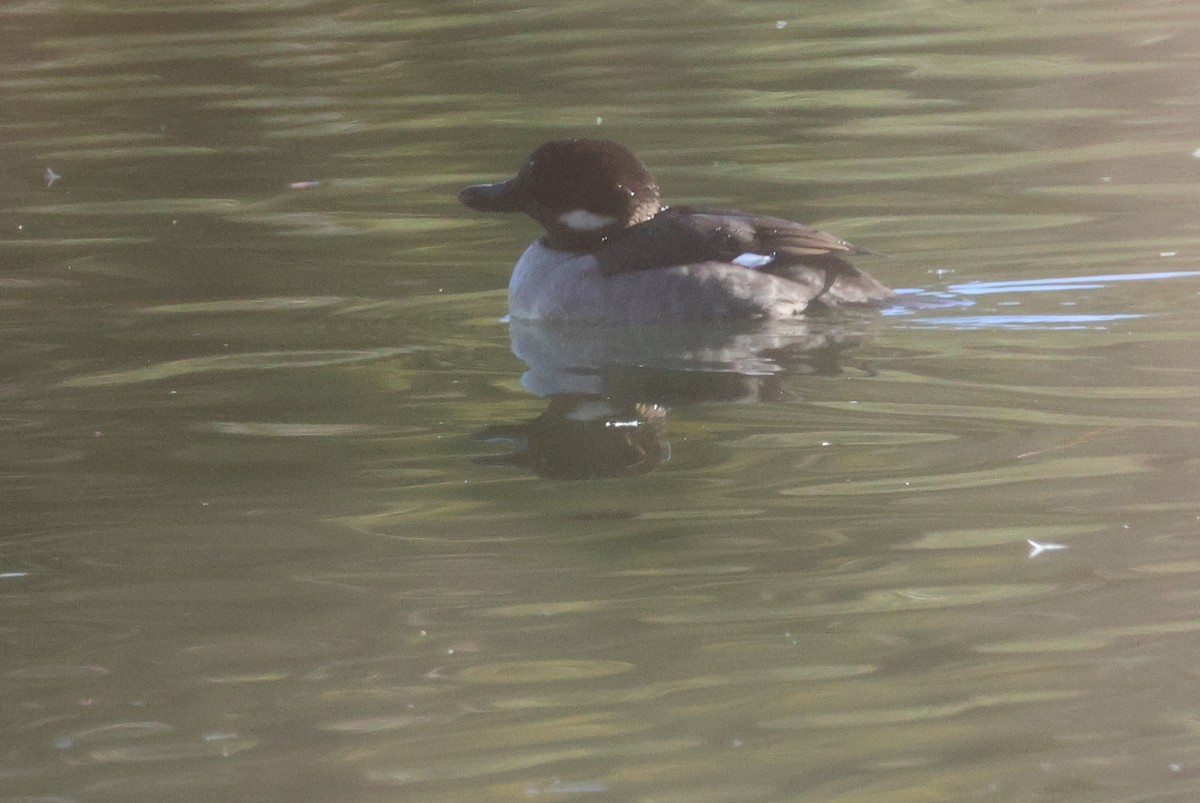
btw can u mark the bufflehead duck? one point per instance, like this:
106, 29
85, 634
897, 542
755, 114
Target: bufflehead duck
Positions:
612, 253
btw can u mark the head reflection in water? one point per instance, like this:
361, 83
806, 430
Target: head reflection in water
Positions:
581, 438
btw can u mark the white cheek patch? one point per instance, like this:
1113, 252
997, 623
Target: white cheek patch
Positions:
750, 260
583, 220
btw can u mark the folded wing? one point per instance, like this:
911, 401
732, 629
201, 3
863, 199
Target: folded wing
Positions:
799, 253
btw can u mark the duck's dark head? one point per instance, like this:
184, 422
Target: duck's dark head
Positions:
580, 190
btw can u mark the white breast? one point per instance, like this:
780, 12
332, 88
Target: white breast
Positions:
550, 284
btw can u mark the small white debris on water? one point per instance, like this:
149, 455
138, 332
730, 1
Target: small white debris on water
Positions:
1196, 153
1167, 253
599, 120
781, 24
560, 787
219, 736
1037, 548
51, 177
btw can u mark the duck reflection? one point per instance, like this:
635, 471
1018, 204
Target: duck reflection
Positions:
582, 437
608, 390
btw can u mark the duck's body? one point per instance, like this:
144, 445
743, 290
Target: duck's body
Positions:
548, 284
613, 254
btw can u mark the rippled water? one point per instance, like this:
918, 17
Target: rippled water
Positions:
284, 516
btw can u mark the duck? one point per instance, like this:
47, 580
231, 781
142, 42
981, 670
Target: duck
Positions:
613, 253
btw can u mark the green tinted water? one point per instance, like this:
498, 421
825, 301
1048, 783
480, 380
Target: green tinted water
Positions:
253, 547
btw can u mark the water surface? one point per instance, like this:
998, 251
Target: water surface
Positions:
272, 528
